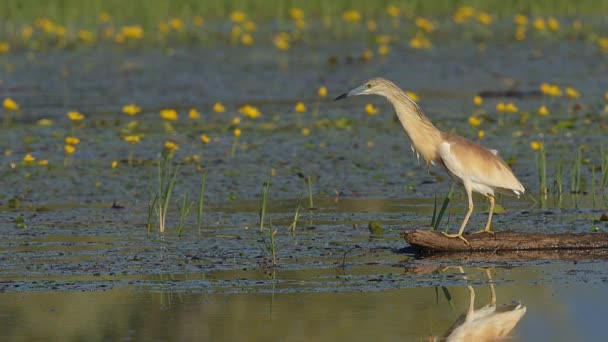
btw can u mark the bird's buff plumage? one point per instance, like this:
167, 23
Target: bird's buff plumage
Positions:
475, 167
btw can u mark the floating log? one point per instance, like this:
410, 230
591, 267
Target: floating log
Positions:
431, 241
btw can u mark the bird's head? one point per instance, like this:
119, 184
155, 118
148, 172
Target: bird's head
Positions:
374, 86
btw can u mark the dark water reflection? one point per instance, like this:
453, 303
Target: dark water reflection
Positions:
564, 310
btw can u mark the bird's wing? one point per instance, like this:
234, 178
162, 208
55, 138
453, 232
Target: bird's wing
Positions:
470, 161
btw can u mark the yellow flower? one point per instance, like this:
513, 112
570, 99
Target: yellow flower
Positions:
4, 47
72, 141
246, 39
484, 18
536, 145
383, 39
219, 108
281, 41
572, 93
169, 114
305, 131
69, 149
205, 139
322, 92
520, 33
75, 116
237, 132
43, 162
28, 159
300, 107
383, 50
425, 24
393, 11
27, 32
474, 121
176, 24
132, 139
44, 122
511, 108
501, 107
463, 14
296, 13
235, 121
114, 164
193, 114
171, 146
413, 96
10, 105
478, 100
132, 31
550, 89
480, 134
420, 42
539, 24
520, 20
250, 111
370, 109
351, 16
553, 24
86, 36
543, 111
131, 109
238, 17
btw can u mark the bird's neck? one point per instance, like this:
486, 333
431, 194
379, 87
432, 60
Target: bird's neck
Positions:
424, 136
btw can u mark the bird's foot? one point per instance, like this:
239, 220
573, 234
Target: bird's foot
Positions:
486, 230
457, 236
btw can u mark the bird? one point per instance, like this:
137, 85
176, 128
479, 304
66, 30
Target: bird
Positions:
489, 323
475, 167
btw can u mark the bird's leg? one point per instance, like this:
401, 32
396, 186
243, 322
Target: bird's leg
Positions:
492, 289
490, 212
467, 188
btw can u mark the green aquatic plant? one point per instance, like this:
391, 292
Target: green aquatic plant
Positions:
604, 168
575, 171
265, 189
201, 202
167, 173
541, 166
437, 216
296, 216
184, 210
309, 186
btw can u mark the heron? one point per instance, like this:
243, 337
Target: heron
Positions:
476, 168
489, 323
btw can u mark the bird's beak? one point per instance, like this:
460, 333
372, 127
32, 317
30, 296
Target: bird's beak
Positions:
356, 91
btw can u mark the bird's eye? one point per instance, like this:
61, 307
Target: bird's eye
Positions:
369, 85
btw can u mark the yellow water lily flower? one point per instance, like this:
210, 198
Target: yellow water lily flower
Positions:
296, 13
69, 149
10, 105
250, 111
474, 121
370, 109
351, 16
238, 17
322, 92
305, 131
393, 11
194, 114
300, 107
219, 108
114, 164
477, 100
205, 139
28, 159
480, 134
171, 146
75, 116
536, 145
131, 109
237, 132
169, 114
72, 141
132, 139
572, 93
43, 162
543, 111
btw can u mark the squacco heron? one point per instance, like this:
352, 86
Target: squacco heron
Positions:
477, 168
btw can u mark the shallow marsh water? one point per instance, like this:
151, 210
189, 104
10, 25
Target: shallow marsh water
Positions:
96, 272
